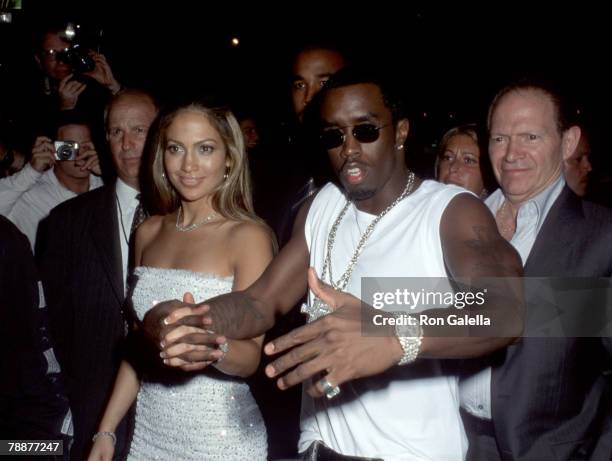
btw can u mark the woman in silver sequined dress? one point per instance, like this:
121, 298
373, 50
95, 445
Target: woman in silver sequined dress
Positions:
206, 241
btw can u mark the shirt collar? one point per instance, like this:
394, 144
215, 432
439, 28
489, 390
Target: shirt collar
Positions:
126, 195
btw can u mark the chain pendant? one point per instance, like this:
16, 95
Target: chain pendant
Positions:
317, 310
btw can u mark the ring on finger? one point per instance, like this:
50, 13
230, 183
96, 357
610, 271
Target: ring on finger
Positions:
329, 389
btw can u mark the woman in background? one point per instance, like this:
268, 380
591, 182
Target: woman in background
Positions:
462, 160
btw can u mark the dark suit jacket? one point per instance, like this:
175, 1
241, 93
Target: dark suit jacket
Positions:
32, 402
552, 397
80, 261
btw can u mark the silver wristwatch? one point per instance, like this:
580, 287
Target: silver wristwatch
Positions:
410, 338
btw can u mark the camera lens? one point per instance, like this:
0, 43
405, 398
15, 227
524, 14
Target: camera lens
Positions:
77, 58
80, 59
65, 152
85, 64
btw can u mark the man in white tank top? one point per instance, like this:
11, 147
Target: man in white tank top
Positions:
381, 221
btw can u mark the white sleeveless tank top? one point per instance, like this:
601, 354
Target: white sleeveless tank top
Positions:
409, 412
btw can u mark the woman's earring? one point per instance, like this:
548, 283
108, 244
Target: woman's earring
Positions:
400, 147
226, 175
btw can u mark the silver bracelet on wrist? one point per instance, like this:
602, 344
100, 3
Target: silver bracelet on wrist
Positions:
410, 338
105, 434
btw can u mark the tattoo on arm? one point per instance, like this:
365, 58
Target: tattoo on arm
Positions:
238, 315
488, 246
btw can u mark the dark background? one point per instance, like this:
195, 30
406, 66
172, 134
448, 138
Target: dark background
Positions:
450, 60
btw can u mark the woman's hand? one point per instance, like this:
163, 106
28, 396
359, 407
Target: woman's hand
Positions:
102, 450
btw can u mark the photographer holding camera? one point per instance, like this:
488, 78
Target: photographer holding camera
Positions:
74, 168
64, 63
72, 85
67, 76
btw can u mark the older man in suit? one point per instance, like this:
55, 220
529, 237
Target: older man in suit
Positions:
84, 250
543, 398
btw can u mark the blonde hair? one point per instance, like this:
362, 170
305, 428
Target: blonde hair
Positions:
474, 132
232, 198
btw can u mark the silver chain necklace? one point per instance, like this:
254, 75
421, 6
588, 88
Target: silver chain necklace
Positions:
319, 308
195, 225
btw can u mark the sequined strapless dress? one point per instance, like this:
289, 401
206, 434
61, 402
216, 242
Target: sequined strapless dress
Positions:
202, 415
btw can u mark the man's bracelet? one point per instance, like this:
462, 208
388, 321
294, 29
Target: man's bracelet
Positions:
410, 338
105, 434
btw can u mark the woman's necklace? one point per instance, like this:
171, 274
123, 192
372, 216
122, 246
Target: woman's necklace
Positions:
195, 225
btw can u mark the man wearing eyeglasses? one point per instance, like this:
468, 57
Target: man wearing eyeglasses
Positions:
379, 221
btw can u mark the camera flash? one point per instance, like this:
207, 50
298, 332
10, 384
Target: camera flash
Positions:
235, 41
70, 32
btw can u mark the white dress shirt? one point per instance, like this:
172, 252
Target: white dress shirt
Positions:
35, 204
12, 187
126, 206
475, 390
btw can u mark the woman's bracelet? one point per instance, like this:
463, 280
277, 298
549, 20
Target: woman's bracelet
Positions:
105, 434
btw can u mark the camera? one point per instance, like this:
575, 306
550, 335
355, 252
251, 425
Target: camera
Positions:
77, 58
66, 150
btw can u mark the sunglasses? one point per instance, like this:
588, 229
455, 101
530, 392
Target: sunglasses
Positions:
364, 133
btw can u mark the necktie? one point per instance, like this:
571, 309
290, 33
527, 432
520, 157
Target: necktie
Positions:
140, 215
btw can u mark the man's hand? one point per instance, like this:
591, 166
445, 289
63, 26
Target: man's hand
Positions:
88, 159
155, 324
185, 343
43, 154
333, 345
69, 91
102, 73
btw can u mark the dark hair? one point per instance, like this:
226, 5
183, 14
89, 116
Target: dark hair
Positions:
353, 75
52, 25
71, 117
313, 45
322, 44
548, 89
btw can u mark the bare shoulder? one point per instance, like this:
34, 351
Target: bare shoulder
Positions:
149, 229
470, 205
466, 215
250, 233
471, 243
